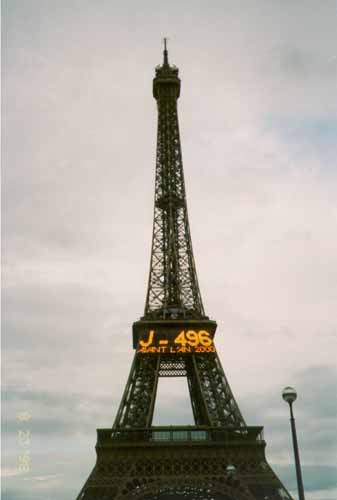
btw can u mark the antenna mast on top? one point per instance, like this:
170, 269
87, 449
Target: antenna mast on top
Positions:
166, 63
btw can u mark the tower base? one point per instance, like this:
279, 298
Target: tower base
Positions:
172, 463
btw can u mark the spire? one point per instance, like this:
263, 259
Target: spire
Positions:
165, 63
166, 82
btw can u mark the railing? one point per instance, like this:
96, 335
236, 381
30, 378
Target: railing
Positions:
179, 434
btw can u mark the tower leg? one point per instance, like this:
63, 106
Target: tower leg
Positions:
137, 405
222, 408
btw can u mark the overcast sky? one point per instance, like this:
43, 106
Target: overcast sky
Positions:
258, 123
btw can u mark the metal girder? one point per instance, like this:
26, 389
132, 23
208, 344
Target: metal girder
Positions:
183, 470
221, 406
212, 400
173, 285
137, 405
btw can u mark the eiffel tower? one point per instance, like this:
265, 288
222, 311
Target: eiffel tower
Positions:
220, 457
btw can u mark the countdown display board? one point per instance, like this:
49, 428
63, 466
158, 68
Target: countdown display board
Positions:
183, 342
180, 337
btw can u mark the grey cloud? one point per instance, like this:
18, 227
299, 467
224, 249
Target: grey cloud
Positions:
57, 413
314, 477
17, 495
59, 493
299, 63
315, 414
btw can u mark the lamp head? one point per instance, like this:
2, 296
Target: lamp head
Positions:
231, 470
289, 395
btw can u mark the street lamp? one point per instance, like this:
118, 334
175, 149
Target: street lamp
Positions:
289, 395
231, 470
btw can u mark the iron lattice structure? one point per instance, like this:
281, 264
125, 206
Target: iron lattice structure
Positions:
173, 285
136, 460
213, 403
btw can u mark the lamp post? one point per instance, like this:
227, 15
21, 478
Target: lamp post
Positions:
289, 395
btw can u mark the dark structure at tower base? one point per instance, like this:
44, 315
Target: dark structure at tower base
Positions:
171, 463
